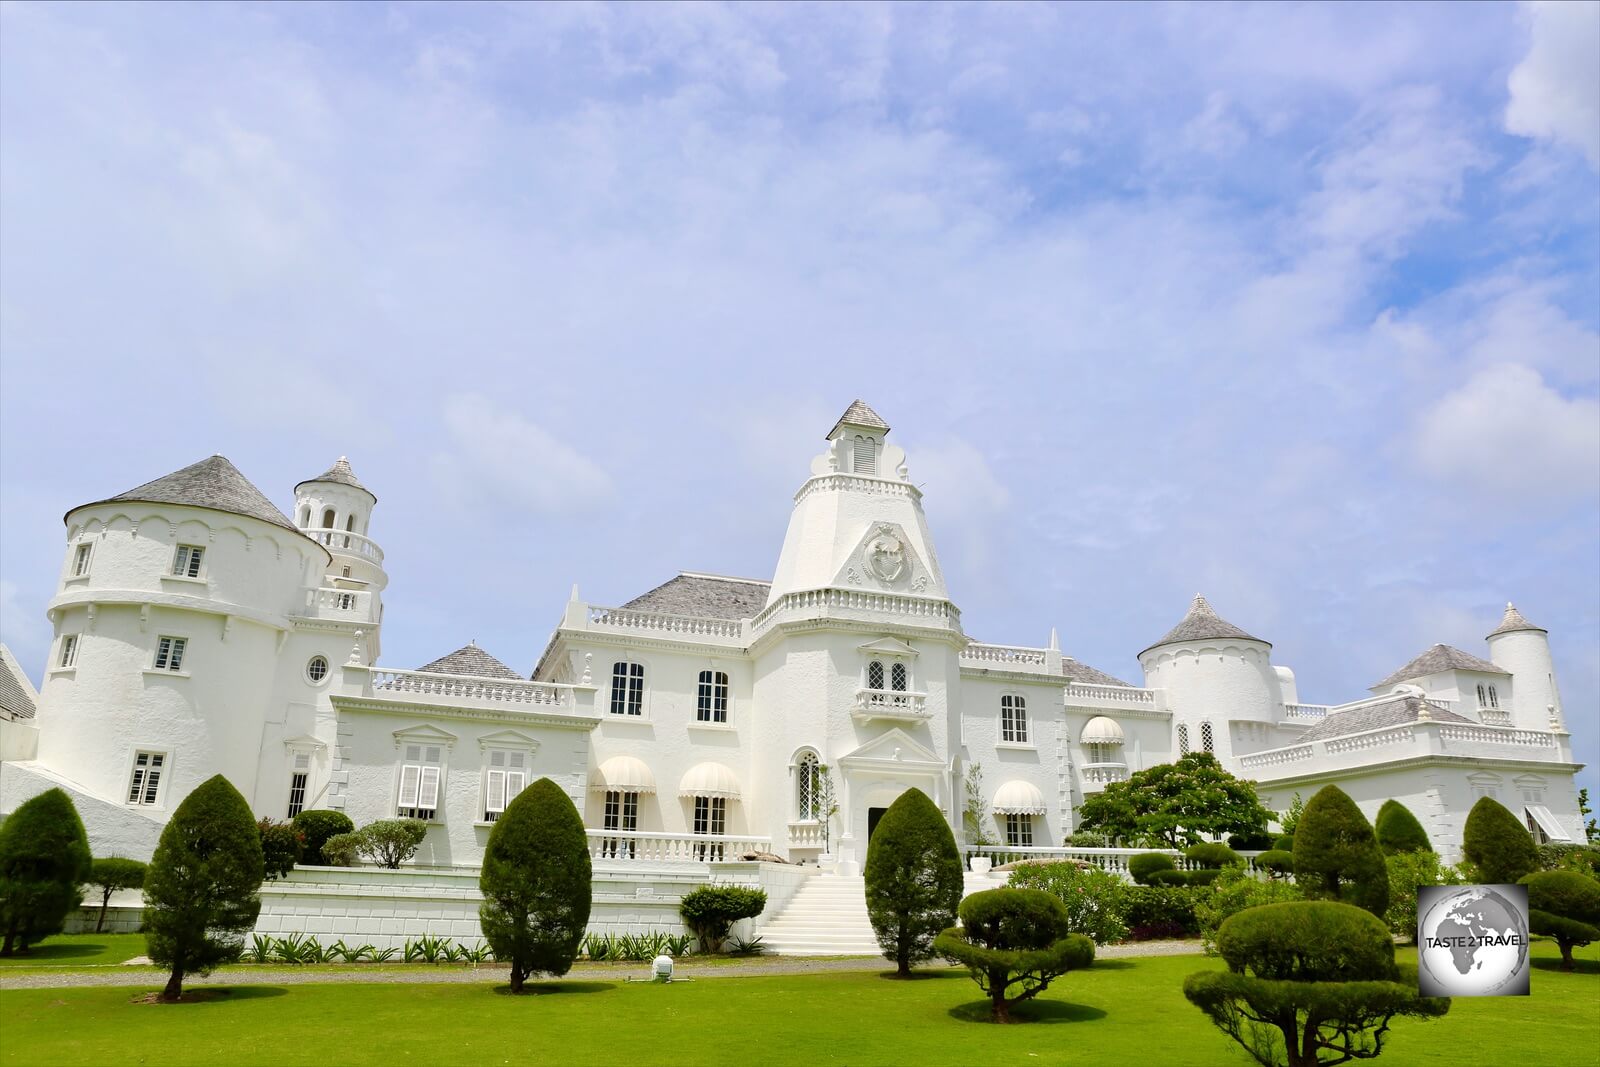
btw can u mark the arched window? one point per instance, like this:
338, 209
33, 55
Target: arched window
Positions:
1208, 740
627, 688
899, 678
328, 520
866, 455
875, 674
305, 516
808, 805
1483, 698
1014, 719
1494, 698
1183, 739
712, 702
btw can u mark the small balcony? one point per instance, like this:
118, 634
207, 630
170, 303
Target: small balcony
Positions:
347, 543
893, 704
1096, 776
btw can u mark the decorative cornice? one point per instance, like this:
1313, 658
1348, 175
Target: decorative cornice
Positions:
1434, 759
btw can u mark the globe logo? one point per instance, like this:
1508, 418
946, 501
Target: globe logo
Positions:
1472, 940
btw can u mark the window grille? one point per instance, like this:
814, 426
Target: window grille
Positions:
1183, 739
169, 653
419, 782
146, 781
875, 675
1207, 738
69, 651
712, 704
899, 678
1014, 719
807, 804
80, 561
186, 561
504, 778
297, 784
317, 669
627, 688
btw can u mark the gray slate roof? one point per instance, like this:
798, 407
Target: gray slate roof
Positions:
1082, 672
470, 659
705, 596
17, 698
1436, 659
1202, 624
212, 483
858, 414
1394, 712
341, 473
1513, 621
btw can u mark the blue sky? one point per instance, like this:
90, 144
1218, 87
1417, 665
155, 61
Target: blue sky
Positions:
1293, 305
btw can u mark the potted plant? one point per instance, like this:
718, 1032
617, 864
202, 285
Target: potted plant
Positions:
827, 808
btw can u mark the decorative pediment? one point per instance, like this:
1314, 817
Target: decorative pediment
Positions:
884, 559
508, 739
303, 742
894, 746
888, 646
424, 734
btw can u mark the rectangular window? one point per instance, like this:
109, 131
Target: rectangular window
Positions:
621, 813
627, 688
186, 561
504, 777
712, 703
169, 653
420, 775
1019, 831
146, 781
69, 651
299, 776
1014, 719
80, 560
710, 817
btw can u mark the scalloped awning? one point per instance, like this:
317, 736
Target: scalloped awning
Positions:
624, 774
1017, 797
709, 780
1102, 731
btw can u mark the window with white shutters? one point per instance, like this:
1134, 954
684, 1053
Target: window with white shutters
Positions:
712, 702
299, 777
420, 775
186, 561
145, 784
80, 559
1014, 719
69, 651
504, 776
169, 653
627, 688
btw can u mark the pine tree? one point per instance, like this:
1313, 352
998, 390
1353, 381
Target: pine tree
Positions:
536, 883
1336, 854
913, 879
1399, 831
1497, 844
44, 859
201, 890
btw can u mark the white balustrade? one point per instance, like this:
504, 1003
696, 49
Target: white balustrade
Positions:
428, 684
1007, 655
642, 846
1110, 696
1100, 775
1494, 717
889, 704
1306, 712
344, 542
814, 602
1275, 756
661, 622
806, 833
1114, 860
1394, 735
856, 483
341, 604
1473, 734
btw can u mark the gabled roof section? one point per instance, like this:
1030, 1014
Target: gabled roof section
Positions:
470, 659
18, 699
1514, 621
1202, 624
1394, 712
1082, 672
212, 483
705, 596
341, 473
1436, 659
858, 414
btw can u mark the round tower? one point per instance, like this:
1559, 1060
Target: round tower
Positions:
1214, 673
1522, 649
335, 510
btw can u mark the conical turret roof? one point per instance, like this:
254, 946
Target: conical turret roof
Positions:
1514, 621
470, 659
858, 414
341, 473
1202, 624
212, 483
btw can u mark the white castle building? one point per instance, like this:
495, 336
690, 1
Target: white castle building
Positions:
198, 630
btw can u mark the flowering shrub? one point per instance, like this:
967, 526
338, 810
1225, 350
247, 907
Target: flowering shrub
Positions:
1094, 899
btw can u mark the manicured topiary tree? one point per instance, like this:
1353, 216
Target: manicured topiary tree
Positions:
1496, 843
281, 847
390, 842
536, 883
1146, 864
1399, 831
111, 874
1213, 856
1276, 862
1308, 983
316, 826
1564, 905
913, 879
1336, 854
44, 858
1014, 942
201, 892
710, 911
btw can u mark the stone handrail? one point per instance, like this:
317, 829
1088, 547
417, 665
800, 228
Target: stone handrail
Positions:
643, 846
827, 600
858, 483
1091, 695
661, 622
466, 686
1104, 773
347, 543
1495, 735
1274, 756
1007, 655
1306, 711
806, 833
1114, 860
890, 704
1494, 717
1425, 735
1393, 735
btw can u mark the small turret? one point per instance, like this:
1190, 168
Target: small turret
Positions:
335, 510
1522, 649
1214, 673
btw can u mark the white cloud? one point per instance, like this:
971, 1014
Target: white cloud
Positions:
960, 484
1555, 90
1506, 431
503, 460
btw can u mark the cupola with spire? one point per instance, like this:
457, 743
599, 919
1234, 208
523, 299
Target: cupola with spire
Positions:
1522, 650
335, 510
1206, 663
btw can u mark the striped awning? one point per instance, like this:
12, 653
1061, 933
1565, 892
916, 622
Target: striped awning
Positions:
624, 774
1017, 797
709, 780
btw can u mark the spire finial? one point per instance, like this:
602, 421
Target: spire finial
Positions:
1055, 640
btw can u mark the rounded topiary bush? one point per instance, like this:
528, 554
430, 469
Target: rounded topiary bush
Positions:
914, 879
1209, 854
1168, 877
1336, 854
1203, 876
316, 826
343, 850
281, 847
1283, 843
1276, 862
44, 858
1564, 905
1399, 831
1014, 942
710, 912
1497, 844
1250, 842
1145, 864
1308, 941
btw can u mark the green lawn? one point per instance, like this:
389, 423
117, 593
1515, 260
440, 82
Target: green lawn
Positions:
78, 950
1131, 1011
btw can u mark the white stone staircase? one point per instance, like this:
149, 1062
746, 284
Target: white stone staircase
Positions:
826, 917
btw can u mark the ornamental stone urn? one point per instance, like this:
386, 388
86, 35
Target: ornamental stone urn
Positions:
980, 864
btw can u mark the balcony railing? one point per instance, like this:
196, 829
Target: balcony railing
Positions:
889, 704
1114, 860
844, 603
1494, 717
345, 543
806, 833
660, 622
1096, 776
1419, 738
344, 605
1305, 712
1082, 694
428, 686
643, 846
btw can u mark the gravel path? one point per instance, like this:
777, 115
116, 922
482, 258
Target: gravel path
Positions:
274, 974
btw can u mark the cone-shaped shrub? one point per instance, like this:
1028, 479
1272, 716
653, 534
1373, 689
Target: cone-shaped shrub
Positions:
1399, 831
1564, 905
111, 874
913, 879
535, 883
1336, 854
201, 890
44, 858
1497, 844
